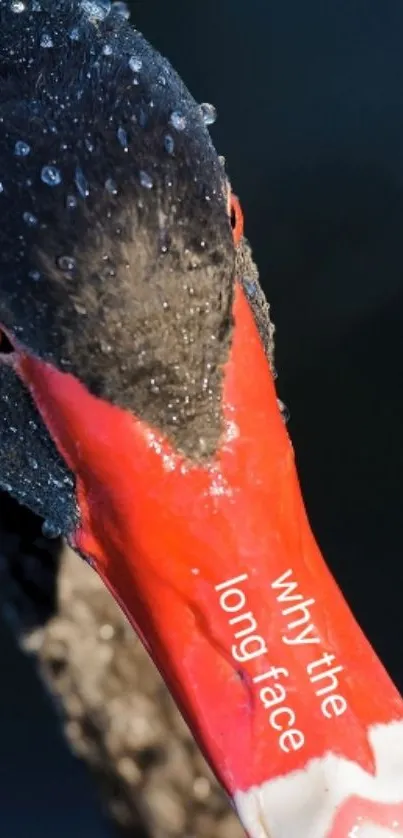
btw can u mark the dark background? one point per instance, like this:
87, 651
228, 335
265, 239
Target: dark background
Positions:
311, 122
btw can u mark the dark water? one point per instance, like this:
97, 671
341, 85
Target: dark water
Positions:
311, 123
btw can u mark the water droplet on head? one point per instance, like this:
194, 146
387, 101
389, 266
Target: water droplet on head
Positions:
178, 121
34, 275
21, 149
110, 186
250, 287
122, 137
17, 6
46, 41
50, 530
121, 9
30, 219
154, 386
81, 183
107, 49
96, 9
135, 63
1, 187
51, 175
67, 264
209, 113
169, 144
74, 34
146, 180
71, 201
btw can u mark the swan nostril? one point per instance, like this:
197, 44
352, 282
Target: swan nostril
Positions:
6, 347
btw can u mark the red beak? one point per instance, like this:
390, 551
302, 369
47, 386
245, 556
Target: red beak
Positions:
216, 567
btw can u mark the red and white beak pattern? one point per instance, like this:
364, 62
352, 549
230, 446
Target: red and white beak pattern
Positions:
216, 567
